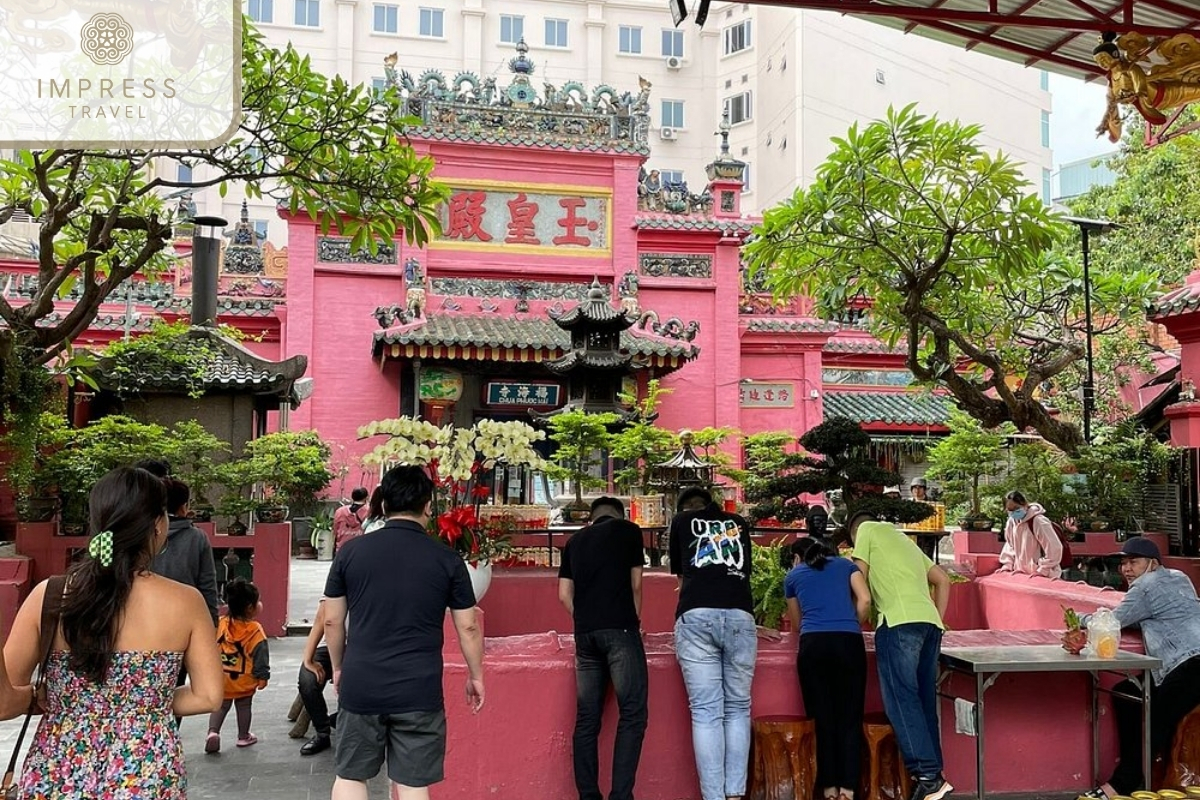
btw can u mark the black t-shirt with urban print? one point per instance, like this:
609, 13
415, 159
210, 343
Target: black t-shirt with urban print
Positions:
711, 550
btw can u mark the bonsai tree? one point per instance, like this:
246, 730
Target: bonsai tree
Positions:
582, 439
766, 458
960, 461
834, 458
642, 444
292, 466
27, 474
1118, 464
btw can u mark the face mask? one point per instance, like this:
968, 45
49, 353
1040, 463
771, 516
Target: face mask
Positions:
1017, 515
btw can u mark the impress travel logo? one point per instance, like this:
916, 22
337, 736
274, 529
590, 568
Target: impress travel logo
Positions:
115, 74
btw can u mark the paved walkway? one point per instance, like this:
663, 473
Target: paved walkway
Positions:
273, 769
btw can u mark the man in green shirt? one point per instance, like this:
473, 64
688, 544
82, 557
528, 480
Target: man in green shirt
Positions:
908, 638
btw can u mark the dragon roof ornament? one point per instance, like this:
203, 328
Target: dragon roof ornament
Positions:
469, 108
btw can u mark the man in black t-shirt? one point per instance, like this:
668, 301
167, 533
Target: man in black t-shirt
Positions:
715, 637
396, 584
600, 583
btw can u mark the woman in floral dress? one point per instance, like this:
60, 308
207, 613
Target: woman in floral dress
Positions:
109, 729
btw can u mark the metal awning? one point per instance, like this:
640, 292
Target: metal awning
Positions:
1055, 35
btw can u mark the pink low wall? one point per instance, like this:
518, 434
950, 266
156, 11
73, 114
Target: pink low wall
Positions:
525, 601
519, 746
1041, 722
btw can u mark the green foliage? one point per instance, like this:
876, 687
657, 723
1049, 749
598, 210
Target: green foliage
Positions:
167, 349
642, 444
1118, 463
955, 252
582, 439
767, 573
292, 466
319, 146
1044, 475
969, 454
1156, 200
834, 458
81, 456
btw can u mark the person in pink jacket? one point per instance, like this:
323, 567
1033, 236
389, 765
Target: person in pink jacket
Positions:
1030, 544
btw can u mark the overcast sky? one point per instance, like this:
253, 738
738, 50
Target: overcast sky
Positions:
1077, 109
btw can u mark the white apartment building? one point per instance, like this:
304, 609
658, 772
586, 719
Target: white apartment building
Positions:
790, 79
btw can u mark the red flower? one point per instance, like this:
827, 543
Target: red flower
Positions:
455, 523
481, 492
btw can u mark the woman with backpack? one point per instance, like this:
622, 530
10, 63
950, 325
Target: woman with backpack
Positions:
1031, 545
348, 520
121, 636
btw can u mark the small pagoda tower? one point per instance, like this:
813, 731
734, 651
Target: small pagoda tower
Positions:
595, 363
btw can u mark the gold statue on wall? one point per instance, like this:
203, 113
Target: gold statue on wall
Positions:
1169, 79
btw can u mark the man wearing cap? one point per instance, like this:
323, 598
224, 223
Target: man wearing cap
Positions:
919, 490
1163, 603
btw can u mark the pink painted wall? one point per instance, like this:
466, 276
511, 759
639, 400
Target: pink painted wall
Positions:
1038, 722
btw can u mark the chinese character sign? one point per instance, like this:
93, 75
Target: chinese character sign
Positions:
499, 218
504, 393
768, 395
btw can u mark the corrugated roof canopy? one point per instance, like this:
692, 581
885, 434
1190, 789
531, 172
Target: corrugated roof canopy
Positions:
1056, 35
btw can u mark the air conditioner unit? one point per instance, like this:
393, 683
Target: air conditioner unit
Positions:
674, 62
667, 133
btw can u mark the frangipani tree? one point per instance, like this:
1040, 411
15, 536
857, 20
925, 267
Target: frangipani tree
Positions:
957, 256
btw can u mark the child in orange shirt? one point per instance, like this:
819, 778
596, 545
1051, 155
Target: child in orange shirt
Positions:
245, 660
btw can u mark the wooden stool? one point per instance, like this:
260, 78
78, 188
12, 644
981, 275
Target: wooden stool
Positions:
783, 759
883, 776
1182, 765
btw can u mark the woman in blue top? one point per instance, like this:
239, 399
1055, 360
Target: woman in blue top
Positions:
828, 601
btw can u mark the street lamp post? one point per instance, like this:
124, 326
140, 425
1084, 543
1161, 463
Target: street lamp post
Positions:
1086, 228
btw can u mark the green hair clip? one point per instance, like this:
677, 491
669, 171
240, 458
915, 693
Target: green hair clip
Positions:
101, 548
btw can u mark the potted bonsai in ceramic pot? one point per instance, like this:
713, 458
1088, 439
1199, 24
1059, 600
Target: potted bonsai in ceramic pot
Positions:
583, 440
293, 469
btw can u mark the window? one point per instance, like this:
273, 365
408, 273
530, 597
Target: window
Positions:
746, 180
431, 22
1045, 81
556, 33
308, 13
386, 19
378, 87
738, 108
671, 177
672, 113
630, 40
1046, 190
260, 229
512, 29
1045, 129
261, 10
867, 377
737, 37
183, 173
672, 43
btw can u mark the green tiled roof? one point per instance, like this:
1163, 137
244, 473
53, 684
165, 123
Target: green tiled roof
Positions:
1184, 300
895, 408
791, 325
861, 346
530, 139
688, 222
497, 331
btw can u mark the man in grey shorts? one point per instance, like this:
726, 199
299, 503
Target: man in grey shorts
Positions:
397, 584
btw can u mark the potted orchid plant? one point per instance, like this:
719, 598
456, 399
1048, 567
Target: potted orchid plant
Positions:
459, 460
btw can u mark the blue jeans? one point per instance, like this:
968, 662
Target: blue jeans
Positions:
600, 657
907, 656
716, 649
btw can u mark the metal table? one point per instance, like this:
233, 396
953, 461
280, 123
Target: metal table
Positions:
988, 663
